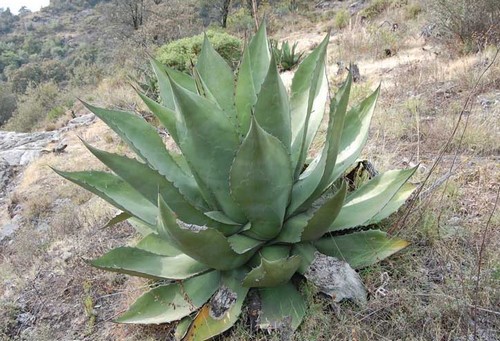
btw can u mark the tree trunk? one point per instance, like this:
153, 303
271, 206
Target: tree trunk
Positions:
225, 12
136, 13
252, 6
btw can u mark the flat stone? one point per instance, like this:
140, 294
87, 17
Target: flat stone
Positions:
19, 149
6, 230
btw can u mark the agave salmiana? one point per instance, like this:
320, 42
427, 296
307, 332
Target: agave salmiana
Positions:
241, 208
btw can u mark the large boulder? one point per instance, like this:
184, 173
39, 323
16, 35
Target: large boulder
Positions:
19, 149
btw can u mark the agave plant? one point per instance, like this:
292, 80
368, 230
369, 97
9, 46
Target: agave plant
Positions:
241, 210
286, 58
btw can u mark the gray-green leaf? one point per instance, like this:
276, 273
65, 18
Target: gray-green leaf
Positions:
172, 302
261, 181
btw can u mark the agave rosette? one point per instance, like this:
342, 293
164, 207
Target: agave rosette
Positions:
240, 209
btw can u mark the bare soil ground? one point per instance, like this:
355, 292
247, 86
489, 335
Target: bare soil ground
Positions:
444, 286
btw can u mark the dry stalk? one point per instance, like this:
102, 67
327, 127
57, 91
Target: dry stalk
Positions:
479, 261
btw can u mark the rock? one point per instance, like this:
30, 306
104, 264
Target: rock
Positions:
19, 149
79, 121
5, 174
336, 279
6, 230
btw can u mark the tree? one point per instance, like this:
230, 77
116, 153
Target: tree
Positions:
7, 19
8, 103
215, 10
131, 12
23, 11
225, 12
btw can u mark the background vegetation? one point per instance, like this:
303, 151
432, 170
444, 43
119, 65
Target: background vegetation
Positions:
60, 44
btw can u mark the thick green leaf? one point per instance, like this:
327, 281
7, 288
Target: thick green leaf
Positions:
149, 183
220, 217
203, 89
168, 303
338, 109
222, 311
282, 308
307, 252
117, 218
206, 245
395, 203
293, 228
273, 252
304, 188
241, 243
209, 143
246, 96
261, 181
363, 204
316, 178
361, 249
251, 74
272, 273
258, 49
115, 191
182, 328
163, 74
155, 244
138, 262
146, 143
166, 116
141, 227
218, 78
354, 134
323, 217
308, 99
272, 110
166, 95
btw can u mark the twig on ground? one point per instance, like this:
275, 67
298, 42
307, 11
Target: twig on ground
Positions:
435, 185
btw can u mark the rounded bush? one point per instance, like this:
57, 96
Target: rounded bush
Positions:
179, 54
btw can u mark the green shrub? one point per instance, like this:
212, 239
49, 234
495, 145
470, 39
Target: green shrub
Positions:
412, 10
240, 21
471, 24
55, 113
36, 73
21, 77
35, 106
181, 53
341, 18
8, 103
385, 41
375, 8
